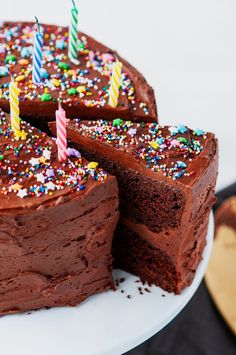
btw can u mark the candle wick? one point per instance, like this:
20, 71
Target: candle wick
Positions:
116, 58
37, 22
59, 103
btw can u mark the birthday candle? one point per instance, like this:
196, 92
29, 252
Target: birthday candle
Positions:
14, 108
115, 84
61, 133
73, 34
38, 55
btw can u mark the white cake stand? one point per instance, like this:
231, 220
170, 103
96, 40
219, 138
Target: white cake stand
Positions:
105, 324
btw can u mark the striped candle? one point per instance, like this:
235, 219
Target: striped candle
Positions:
73, 34
61, 133
115, 84
38, 55
14, 108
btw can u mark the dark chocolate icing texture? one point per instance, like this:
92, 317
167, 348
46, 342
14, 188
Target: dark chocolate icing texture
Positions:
57, 221
167, 150
30, 170
83, 88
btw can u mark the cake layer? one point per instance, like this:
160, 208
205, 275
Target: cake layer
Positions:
82, 88
167, 259
159, 168
57, 221
166, 178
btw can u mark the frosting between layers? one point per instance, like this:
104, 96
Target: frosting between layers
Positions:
184, 259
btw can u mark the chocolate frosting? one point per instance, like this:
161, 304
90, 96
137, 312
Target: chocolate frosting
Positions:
177, 154
57, 221
83, 88
31, 174
186, 160
182, 158
58, 255
185, 257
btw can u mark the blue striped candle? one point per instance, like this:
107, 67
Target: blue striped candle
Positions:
38, 55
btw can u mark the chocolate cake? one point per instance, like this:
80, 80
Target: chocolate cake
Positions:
166, 177
56, 223
83, 88
57, 219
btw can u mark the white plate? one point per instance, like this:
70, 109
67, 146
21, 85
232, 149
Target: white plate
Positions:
105, 324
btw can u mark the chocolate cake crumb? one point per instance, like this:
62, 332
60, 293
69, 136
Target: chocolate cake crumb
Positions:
119, 281
147, 290
140, 290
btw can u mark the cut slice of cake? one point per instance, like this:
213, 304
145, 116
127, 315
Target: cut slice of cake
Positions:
83, 89
56, 223
166, 177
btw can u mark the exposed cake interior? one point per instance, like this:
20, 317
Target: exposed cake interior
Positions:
154, 203
166, 178
154, 258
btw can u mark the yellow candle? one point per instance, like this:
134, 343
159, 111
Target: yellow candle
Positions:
115, 84
14, 107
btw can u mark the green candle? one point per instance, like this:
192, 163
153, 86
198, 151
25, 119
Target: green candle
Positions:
73, 34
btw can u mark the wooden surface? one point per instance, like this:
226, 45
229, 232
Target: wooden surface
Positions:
221, 273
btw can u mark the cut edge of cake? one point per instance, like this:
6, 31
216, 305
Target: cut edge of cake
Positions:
180, 237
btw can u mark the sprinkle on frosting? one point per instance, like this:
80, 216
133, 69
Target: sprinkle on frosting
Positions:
85, 84
30, 168
168, 150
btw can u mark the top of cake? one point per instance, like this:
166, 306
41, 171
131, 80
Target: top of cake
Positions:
30, 173
84, 85
176, 152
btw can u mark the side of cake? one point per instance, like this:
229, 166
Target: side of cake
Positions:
57, 221
83, 89
166, 178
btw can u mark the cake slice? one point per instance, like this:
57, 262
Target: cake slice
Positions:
56, 223
83, 88
166, 177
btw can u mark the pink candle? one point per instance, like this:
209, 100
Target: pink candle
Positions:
61, 133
